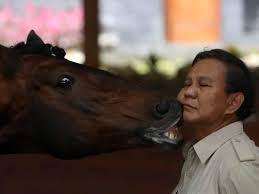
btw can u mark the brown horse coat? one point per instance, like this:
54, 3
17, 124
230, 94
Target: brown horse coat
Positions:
50, 104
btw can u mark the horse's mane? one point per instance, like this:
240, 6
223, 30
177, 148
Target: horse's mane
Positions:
35, 45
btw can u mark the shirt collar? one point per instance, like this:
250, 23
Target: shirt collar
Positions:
208, 145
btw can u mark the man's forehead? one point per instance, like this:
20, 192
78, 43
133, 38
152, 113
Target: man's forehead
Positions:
207, 69
206, 78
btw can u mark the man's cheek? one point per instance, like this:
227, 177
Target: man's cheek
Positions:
180, 96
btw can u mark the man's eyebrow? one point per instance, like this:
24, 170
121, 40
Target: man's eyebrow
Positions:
205, 78
188, 77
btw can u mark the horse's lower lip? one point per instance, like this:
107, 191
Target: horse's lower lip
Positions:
169, 134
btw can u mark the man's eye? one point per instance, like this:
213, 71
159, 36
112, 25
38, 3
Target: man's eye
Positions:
204, 85
187, 83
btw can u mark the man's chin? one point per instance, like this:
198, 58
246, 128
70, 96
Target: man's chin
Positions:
190, 124
189, 119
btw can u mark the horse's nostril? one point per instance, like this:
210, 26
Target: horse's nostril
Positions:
163, 107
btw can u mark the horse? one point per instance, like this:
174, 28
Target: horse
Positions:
51, 105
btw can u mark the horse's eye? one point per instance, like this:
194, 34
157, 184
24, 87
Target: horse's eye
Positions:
65, 82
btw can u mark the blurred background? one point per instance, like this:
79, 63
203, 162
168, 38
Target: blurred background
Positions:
147, 41
129, 31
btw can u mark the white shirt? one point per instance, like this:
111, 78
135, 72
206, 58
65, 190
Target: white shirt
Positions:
224, 162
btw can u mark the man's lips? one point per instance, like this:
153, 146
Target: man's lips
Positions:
188, 106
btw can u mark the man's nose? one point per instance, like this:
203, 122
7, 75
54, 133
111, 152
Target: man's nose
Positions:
190, 91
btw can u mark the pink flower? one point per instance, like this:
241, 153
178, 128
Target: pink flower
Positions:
53, 26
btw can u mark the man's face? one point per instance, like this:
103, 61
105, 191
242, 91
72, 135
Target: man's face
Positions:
203, 96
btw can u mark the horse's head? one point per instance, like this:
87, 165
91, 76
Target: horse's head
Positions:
50, 104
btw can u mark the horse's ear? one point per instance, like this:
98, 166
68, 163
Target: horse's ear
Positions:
34, 39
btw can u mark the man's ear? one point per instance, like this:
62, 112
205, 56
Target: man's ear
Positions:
235, 100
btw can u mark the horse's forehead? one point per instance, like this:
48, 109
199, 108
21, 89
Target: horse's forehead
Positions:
45, 62
55, 67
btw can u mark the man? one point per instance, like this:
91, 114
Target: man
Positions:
217, 96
